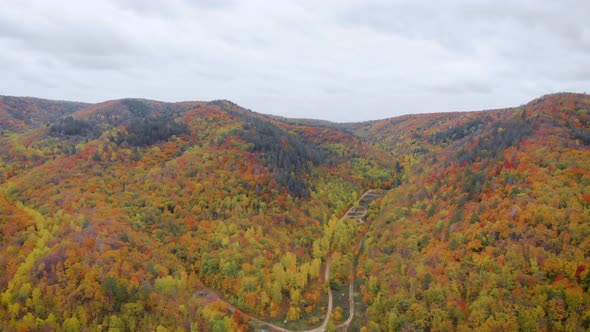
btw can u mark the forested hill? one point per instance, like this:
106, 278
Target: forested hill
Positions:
25, 112
489, 227
115, 215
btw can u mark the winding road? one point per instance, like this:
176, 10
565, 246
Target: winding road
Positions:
363, 202
212, 296
357, 213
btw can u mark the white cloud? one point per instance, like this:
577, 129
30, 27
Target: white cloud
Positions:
340, 60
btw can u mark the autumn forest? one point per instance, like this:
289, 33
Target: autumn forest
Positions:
139, 215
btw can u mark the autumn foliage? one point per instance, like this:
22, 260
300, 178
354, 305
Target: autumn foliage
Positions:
141, 215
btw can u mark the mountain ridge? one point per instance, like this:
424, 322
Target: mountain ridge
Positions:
317, 122
115, 215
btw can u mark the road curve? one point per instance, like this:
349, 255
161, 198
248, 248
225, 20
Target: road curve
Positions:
344, 325
322, 327
213, 295
347, 322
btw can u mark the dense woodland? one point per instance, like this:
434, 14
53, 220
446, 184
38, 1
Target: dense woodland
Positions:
115, 216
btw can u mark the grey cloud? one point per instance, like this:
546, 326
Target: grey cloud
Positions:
462, 87
302, 58
213, 75
98, 62
75, 40
172, 8
465, 26
337, 90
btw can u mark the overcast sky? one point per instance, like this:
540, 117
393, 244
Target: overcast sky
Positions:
341, 60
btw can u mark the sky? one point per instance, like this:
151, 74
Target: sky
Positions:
339, 60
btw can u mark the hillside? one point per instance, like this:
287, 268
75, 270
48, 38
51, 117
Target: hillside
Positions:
116, 215
21, 113
489, 228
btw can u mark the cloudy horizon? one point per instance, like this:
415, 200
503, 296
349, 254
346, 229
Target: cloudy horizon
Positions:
346, 60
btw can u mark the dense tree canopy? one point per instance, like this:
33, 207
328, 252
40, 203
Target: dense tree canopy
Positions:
142, 215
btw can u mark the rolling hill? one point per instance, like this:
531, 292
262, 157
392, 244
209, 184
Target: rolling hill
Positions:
136, 214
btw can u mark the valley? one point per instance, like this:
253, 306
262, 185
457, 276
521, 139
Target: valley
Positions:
136, 214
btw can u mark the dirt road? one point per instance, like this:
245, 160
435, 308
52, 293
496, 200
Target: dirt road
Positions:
364, 202
212, 296
354, 213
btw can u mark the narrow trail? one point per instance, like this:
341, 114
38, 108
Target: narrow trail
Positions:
213, 296
322, 327
364, 202
358, 212
344, 325
347, 322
